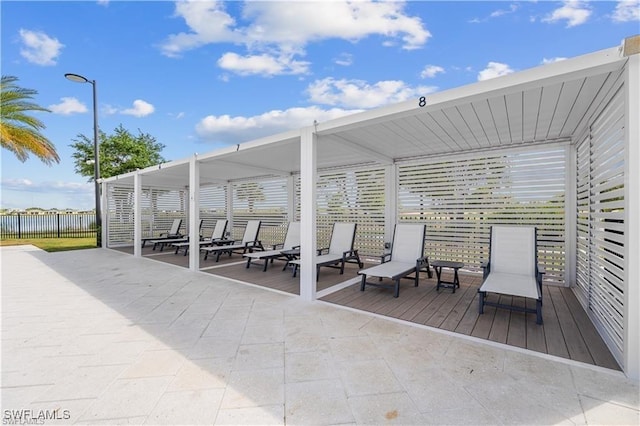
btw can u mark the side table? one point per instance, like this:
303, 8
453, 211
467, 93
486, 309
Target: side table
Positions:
438, 265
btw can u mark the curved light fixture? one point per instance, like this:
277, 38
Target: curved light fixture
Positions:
77, 78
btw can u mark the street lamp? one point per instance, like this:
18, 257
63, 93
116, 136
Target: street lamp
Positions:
96, 156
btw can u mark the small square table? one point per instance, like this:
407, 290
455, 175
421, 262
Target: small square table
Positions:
438, 265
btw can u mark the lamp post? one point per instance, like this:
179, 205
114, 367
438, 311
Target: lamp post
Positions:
96, 155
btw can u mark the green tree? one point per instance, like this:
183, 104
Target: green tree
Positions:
120, 153
20, 132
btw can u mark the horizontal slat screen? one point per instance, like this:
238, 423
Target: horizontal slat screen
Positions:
460, 199
120, 215
350, 196
265, 200
213, 206
601, 240
163, 207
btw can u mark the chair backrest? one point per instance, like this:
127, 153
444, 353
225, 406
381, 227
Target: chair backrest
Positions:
292, 239
408, 242
220, 229
175, 226
513, 250
342, 237
251, 231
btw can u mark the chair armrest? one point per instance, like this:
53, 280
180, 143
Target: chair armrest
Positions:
541, 269
276, 246
486, 268
385, 257
320, 250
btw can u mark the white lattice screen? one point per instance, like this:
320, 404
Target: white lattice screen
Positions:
264, 200
600, 235
350, 196
459, 199
213, 206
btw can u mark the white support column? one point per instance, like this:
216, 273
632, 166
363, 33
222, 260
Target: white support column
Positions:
194, 213
104, 203
632, 219
230, 209
137, 215
291, 198
308, 179
391, 208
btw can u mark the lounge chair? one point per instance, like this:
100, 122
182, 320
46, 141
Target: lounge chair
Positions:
249, 242
217, 237
173, 232
339, 252
291, 242
512, 269
179, 239
406, 258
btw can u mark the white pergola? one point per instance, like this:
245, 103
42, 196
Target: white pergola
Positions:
564, 103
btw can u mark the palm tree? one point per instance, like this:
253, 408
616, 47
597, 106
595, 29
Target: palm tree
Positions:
20, 132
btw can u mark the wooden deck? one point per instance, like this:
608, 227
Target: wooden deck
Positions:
566, 332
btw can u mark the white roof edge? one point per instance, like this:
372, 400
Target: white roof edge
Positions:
267, 140
146, 170
588, 64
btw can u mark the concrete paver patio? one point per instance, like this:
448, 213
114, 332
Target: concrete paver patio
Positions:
103, 337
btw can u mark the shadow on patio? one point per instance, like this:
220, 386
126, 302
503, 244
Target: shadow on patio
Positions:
567, 332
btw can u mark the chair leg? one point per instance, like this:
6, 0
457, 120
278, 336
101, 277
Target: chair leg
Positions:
206, 254
417, 277
363, 282
248, 262
481, 296
266, 263
295, 269
396, 292
539, 311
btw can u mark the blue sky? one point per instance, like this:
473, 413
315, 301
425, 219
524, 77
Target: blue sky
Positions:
204, 74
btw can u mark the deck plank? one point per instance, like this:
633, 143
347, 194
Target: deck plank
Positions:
598, 350
575, 344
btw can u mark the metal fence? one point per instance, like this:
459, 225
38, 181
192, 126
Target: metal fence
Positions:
47, 225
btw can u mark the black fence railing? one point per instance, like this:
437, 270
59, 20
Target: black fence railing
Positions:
47, 225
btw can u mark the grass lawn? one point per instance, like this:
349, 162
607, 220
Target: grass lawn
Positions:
54, 244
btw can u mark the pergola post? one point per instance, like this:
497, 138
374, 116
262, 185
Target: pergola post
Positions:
390, 207
632, 213
105, 214
194, 213
229, 203
308, 179
137, 214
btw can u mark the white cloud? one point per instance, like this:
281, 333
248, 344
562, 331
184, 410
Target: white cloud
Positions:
344, 59
68, 106
431, 71
262, 64
360, 94
30, 186
494, 69
38, 48
575, 12
298, 23
277, 32
140, 109
627, 10
208, 22
231, 130
496, 14
552, 60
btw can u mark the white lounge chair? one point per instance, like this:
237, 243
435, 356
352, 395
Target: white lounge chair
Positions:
217, 237
291, 242
339, 252
173, 232
513, 269
178, 239
249, 242
406, 258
